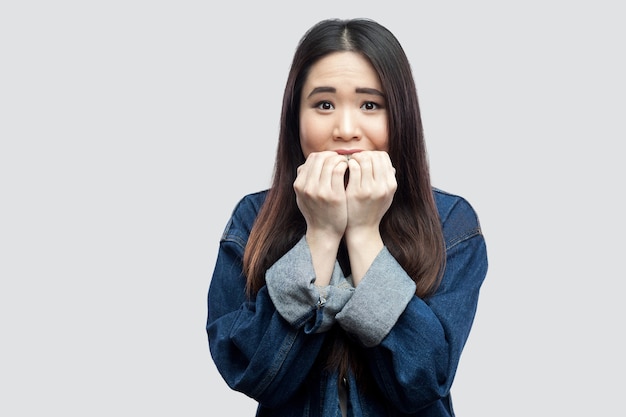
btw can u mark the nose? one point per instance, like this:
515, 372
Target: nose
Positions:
347, 126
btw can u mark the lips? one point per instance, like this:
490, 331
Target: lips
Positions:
347, 151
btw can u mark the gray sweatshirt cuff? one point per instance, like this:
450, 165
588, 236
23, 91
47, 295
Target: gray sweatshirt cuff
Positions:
378, 300
291, 286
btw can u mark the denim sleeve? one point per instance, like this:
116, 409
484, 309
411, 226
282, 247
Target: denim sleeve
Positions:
291, 285
415, 363
378, 300
255, 349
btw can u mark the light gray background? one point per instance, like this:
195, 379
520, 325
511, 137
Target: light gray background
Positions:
129, 130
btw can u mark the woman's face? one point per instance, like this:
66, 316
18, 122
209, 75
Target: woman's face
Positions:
343, 107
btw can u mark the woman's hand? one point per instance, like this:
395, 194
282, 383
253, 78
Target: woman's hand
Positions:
320, 192
321, 197
370, 190
369, 194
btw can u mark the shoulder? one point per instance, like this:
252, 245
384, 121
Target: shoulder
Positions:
458, 218
250, 202
243, 216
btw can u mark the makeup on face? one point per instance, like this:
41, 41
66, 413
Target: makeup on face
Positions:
343, 107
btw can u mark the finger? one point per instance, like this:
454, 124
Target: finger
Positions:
331, 165
384, 174
366, 169
309, 172
338, 173
355, 174
315, 164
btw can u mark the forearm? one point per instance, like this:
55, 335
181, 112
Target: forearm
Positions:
323, 248
363, 245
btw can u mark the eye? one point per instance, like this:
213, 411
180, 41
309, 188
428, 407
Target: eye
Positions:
370, 105
324, 105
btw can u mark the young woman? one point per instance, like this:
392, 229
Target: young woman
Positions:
350, 286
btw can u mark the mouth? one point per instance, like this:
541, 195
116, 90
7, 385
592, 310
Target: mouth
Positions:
347, 151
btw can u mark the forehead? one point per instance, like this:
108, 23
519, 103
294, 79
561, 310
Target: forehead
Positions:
339, 67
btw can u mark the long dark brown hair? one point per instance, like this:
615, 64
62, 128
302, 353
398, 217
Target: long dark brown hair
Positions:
411, 229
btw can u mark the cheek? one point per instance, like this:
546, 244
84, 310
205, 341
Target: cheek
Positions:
311, 136
380, 138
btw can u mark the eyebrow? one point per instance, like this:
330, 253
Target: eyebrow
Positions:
358, 90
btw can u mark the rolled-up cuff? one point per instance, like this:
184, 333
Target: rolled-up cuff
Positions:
337, 294
291, 286
378, 300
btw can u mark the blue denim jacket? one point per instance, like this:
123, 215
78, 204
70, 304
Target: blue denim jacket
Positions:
267, 347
